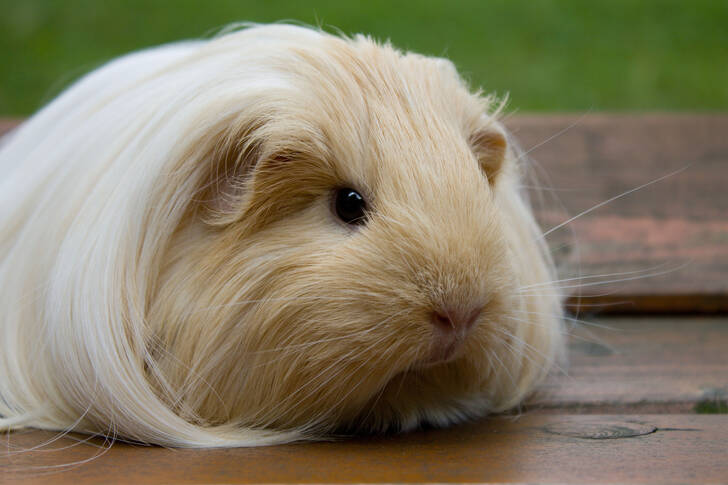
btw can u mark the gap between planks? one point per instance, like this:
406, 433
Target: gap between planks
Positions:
639, 365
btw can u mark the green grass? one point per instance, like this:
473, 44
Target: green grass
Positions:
570, 55
714, 406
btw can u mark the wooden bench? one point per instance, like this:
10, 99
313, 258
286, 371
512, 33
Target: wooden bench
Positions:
644, 397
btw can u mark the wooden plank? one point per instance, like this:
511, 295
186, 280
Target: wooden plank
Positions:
675, 229
640, 365
532, 449
677, 226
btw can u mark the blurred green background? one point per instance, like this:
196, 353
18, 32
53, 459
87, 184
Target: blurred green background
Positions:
549, 55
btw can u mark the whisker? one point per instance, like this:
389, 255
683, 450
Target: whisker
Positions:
605, 275
269, 299
620, 280
334, 375
548, 189
503, 366
305, 345
335, 364
583, 329
561, 294
611, 199
587, 306
379, 395
571, 319
555, 135
532, 348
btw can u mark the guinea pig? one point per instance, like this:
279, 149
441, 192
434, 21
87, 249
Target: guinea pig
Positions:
276, 234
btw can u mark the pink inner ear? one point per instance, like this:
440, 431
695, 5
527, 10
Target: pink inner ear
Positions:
490, 145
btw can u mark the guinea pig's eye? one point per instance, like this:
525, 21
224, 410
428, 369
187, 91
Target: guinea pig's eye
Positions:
350, 206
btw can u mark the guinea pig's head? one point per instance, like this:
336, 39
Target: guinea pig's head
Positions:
351, 258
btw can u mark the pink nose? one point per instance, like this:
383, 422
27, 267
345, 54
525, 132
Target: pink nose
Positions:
451, 328
458, 320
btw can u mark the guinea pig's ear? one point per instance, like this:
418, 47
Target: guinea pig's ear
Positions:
230, 168
490, 147
262, 174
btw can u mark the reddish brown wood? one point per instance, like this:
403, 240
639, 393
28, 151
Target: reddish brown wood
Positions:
531, 449
628, 365
677, 226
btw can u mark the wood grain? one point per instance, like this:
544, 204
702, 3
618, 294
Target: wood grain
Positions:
677, 226
531, 449
670, 239
639, 365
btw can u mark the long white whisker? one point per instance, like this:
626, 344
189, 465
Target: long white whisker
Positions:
332, 376
555, 135
619, 280
305, 345
532, 348
584, 329
571, 319
503, 366
601, 204
605, 275
268, 299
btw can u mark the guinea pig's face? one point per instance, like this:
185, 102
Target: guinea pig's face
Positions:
347, 268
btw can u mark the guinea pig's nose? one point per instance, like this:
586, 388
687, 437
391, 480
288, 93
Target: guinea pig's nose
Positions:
451, 326
458, 320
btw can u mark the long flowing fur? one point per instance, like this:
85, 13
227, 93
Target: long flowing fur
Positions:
171, 268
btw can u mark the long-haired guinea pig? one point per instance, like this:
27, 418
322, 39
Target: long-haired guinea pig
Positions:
277, 234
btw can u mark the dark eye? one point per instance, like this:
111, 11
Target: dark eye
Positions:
350, 206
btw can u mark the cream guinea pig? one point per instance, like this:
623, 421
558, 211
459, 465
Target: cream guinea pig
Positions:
273, 235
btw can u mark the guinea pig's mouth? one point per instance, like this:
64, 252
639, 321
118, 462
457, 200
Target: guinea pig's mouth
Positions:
442, 353
445, 347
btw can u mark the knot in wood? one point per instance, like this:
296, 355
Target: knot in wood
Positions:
600, 430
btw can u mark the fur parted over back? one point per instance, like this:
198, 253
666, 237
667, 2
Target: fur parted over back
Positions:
172, 271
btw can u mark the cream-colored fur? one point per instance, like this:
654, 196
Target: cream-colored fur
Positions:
172, 271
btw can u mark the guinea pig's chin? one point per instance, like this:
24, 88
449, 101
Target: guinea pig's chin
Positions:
443, 349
